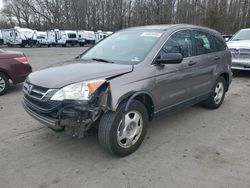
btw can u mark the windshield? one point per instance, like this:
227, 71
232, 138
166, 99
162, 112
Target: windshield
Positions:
126, 47
72, 35
241, 35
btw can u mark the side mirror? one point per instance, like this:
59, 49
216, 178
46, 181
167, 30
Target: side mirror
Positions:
170, 58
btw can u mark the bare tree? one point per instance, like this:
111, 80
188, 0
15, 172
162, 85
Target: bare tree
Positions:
226, 16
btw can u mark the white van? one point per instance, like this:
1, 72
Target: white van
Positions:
42, 39
63, 37
19, 36
99, 35
1, 38
86, 37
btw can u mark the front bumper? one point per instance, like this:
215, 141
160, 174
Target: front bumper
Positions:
71, 41
240, 64
73, 117
19, 72
48, 121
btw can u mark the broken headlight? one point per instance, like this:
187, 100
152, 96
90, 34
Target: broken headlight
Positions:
78, 91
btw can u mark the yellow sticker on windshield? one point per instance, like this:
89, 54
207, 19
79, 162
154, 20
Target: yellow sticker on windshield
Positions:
151, 34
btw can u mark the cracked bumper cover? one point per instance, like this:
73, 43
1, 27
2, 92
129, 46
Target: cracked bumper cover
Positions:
72, 115
48, 121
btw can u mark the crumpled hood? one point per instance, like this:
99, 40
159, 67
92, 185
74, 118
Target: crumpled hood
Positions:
69, 72
239, 44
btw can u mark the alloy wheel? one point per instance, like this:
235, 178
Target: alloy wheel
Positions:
129, 133
2, 84
218, 92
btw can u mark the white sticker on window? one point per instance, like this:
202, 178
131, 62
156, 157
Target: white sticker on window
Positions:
151, 34
135, 59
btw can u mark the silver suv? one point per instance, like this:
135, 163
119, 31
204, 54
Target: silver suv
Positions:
129, 78
239, 45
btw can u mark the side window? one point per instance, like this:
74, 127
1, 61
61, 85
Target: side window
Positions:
179, 42
204, 43
221, 46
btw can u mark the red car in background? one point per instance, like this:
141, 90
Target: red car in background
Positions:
14, 68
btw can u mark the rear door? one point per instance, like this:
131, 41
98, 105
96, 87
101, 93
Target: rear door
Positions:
206, 60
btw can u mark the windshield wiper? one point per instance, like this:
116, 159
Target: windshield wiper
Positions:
102, 60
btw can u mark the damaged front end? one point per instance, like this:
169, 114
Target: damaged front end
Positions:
75, 117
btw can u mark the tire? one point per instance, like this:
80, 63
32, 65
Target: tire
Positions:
4, 84
111, 122
217, 96
39, 44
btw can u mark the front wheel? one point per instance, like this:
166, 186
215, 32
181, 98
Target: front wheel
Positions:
217, 96
4, 84
119, 138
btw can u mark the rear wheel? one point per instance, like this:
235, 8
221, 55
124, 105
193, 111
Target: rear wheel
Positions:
123, 139
4, 84
217, 96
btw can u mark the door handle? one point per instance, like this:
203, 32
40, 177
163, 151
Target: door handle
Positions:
217, 58
191, 63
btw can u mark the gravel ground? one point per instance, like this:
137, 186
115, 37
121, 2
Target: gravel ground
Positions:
195, 148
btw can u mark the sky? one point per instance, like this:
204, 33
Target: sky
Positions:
1, 4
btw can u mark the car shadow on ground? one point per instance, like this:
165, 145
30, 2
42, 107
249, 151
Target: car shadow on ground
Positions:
15, 88
162, 126
241, 74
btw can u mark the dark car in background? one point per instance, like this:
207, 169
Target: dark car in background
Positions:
14, 68
129, 78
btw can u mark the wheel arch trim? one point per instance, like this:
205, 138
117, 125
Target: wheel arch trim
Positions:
130, 96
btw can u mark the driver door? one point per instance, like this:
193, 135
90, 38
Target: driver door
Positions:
174, 81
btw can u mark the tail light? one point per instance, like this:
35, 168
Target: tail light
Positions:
22, 59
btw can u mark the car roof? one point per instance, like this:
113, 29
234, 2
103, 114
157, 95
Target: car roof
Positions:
165, 27
153, 27
246, 29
